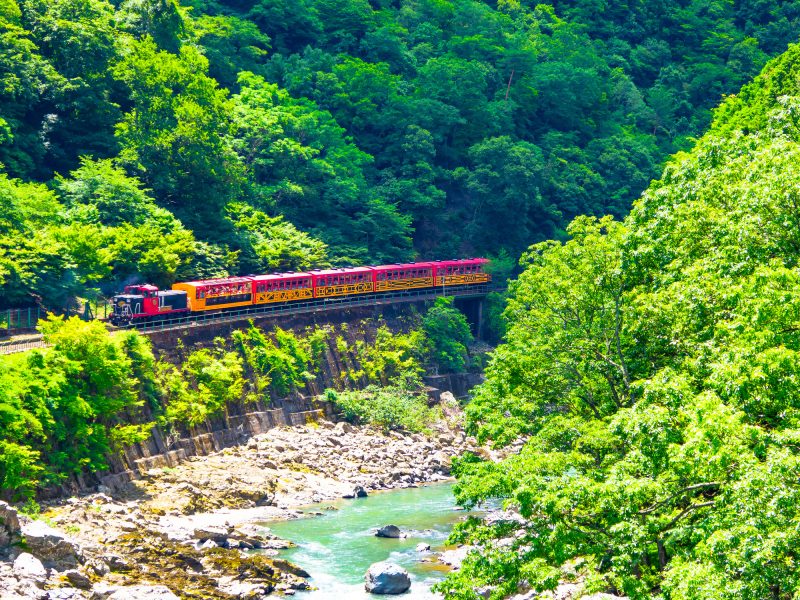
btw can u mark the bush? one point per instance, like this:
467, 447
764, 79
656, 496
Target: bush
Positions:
391, 408
62, 409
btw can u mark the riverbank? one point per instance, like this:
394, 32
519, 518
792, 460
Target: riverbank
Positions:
185, 532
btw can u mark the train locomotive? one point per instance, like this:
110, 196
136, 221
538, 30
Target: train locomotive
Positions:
141, 303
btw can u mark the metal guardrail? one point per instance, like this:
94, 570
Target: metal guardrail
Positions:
314, 306
296, 308
14, 347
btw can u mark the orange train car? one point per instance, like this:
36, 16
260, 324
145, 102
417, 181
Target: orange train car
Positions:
216, 294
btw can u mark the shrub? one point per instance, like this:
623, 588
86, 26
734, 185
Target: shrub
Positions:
391, 408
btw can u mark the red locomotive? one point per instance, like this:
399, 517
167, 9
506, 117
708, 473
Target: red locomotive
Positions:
146, 302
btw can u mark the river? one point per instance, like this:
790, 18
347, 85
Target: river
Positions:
338, 546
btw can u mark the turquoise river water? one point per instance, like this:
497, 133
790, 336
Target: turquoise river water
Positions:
338, 547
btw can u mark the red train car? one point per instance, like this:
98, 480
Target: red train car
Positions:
330, 283
144, 302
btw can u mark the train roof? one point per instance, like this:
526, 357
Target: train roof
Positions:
221, 281
462, 261
416, 265
342, 271
280, 276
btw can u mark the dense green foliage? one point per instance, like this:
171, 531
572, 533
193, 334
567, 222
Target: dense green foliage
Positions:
64, 409
149, 140
447, 335
653, 365
395, 407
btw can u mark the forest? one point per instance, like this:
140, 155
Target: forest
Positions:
152, 140
640, 157
652, 365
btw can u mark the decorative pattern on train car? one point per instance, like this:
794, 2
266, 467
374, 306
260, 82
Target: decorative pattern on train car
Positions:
215, 294
462, 272
390, 278
343, 282
283, 287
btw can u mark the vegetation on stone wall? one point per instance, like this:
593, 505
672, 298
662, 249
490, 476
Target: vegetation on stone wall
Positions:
65, 408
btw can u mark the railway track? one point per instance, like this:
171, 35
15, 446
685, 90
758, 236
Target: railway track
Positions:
12, 347
313, 306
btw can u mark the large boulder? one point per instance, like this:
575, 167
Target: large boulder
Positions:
28, 566
51, 546
389, 531
9, 525
138, 592
358, 492
387, 578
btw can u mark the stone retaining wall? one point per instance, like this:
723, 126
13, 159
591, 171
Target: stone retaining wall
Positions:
241, 422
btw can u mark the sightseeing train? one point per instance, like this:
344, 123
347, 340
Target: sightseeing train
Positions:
139, 303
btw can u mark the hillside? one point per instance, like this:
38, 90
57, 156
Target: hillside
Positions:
148, 140
654, 365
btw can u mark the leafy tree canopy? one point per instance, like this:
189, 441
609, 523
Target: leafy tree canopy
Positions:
652, 365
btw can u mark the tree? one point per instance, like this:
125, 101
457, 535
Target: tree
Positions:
447, 335
177, 133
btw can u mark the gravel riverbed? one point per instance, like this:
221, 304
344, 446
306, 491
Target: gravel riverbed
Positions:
188, 532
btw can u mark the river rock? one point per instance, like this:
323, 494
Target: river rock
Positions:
389, 531
387, 578
358, 492
65, 594
27, 565
50, 545
454, 558
216, 534
141, 592
78, 579
9, 525
342, 427
423, 547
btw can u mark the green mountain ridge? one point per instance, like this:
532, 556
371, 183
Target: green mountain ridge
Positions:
283, 135
654, 365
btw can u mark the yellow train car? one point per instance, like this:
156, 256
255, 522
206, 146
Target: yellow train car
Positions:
394, 278
283, 287
332, 283
216, 294
462, 272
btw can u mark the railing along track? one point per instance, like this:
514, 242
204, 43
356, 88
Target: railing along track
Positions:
313, 306
317, 305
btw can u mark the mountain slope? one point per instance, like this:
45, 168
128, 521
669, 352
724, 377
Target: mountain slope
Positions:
654, 364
